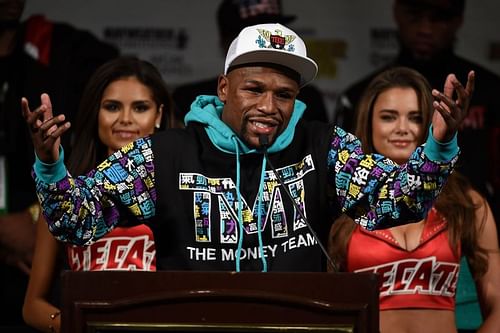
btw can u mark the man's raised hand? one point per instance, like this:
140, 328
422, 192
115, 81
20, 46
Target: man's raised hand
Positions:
450, 111
44, 128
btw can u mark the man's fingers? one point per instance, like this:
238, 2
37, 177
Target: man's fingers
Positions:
62, 129
469, 89
471, 82
463, 94
45, 101
449, 85
54, 132
443, 100
27, 114
25, 107
54, 127
32, 117
438, 106
55, 121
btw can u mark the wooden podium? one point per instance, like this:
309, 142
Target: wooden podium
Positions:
166, 301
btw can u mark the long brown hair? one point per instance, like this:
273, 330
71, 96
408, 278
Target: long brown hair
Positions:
454, 202
87, 149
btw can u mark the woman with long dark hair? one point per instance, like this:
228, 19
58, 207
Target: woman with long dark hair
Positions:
124, 100
418, 263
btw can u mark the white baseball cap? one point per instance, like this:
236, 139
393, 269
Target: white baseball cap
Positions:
271, 43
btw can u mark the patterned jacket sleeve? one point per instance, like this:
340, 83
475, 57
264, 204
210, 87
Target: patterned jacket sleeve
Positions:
81, 210
376, 192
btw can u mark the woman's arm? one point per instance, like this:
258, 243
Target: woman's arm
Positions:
37, 310
488, 286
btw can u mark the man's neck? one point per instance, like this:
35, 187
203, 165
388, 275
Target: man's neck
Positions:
407, 58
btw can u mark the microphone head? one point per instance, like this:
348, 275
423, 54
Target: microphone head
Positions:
263, 141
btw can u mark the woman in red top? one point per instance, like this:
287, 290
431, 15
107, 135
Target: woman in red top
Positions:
125, 99
418, 263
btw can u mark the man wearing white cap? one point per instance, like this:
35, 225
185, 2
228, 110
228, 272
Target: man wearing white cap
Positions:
232, 17
247, 185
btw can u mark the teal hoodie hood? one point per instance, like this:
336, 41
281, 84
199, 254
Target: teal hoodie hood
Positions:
207, 110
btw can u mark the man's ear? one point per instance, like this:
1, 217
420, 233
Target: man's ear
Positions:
222, 87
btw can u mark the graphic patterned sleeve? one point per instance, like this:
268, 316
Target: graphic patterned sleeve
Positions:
81, 210
375, 191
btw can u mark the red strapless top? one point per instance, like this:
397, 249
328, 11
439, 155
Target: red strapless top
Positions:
423, 278
123, 249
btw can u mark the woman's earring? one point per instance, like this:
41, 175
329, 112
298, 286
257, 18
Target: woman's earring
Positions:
157, 126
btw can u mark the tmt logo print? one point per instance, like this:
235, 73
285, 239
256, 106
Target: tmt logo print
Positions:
222, 191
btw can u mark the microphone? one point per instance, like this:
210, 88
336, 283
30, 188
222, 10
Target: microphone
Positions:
264, 144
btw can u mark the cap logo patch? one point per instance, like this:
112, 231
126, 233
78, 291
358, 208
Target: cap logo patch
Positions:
277, 41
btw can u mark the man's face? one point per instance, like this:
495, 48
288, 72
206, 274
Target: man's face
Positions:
427, 27
11, 10
257, 101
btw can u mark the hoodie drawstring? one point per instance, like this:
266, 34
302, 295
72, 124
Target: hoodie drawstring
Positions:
240, 213
259, 211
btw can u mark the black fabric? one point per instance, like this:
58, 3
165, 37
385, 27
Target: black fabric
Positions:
24, 77
191, 151
75, 55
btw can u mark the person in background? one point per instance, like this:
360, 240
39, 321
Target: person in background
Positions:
125, 99
418, 263
208, 187
427, 32
232, 17
36, 55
